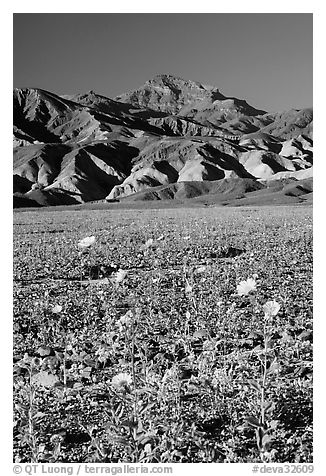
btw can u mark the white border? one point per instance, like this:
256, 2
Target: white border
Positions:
169, 6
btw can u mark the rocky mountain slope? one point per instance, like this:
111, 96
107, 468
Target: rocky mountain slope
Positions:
169, 138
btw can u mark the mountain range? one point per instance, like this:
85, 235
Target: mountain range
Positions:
170, 139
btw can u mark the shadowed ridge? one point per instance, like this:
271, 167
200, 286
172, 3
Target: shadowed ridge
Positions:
86, 147
33, 97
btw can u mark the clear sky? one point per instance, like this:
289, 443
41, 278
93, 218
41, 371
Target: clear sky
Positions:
266, 59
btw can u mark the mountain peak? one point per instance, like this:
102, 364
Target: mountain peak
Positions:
168, 93
170, 80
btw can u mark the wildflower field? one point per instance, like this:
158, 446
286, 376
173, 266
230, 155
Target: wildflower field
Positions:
175, 335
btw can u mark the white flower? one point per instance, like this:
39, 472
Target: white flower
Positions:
188, 288
201, 269
149, 243
126, 320
44, 379
148, 448
120, 275
86, 242
245, 287
27, 358
271, 308
122, 380
56, 309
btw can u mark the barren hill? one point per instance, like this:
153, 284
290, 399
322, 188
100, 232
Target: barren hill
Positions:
169, 138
